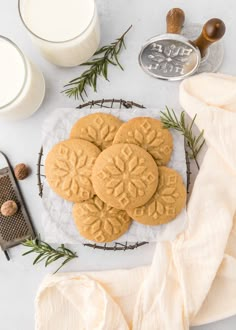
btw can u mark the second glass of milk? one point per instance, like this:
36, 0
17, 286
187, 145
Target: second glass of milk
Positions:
22, 86
67, 32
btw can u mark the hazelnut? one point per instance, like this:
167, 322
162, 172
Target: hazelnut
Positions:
21, 171
9, 208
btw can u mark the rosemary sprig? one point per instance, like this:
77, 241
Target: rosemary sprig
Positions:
194, 143
98, 67
48, 253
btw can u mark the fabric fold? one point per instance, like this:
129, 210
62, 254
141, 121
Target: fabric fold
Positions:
77, 302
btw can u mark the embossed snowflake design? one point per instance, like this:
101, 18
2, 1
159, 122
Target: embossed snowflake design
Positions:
101, 221
152, 141
126, 176
163, 202
99, 133
72, 172
170, 58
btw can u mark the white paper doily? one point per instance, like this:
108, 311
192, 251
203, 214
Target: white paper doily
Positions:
57, 221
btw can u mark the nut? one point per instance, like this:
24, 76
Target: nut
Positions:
9, 208
21, 171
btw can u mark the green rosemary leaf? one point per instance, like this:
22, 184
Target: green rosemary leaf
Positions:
93, 62
81, 87
46, 251
104, 71
53, 258
28, 252
200, 147
193, 121
182, 119
63, 264
46, 246
199, 138
97, 67
94, 82
38, 258
101, 50
118, 62
73, 81
120, 45
65, 250
111, 62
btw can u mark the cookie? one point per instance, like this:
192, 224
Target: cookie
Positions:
149, 134
99, 222
166, 203
68, 169
125, 175
98, 128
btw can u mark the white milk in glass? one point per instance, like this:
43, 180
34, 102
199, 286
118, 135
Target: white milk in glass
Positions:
67, 32
22, 85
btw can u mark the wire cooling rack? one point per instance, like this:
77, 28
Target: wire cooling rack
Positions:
109, 104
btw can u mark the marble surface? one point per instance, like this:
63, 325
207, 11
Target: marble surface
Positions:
21, 141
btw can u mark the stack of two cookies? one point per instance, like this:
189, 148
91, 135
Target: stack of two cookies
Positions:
114, 172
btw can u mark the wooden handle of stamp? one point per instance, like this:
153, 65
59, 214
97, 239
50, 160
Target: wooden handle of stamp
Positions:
212, 31
175, 20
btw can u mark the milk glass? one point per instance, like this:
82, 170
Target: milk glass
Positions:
67, 32
22, 85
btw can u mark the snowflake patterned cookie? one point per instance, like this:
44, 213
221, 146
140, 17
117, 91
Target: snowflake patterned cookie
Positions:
125, 175
149, 134
166, 203
99, 222
98, 128
68, 169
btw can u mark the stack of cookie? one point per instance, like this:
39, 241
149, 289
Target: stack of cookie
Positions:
115, 172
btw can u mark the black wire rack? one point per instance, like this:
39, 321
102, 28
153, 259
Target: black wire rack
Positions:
108, 104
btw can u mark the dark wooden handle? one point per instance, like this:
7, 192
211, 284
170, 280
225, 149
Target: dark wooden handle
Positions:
175, 20
212, 31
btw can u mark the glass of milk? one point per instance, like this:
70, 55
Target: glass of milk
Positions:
22, 86
67, 32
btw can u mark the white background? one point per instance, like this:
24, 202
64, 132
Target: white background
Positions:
19, 280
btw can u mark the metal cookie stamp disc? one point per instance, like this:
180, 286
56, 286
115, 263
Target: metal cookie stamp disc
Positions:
169, 57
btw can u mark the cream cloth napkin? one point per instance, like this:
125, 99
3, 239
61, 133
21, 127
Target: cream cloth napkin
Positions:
192, 280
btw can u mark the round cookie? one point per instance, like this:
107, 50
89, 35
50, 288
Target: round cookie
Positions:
68, 169
166, 203
99, 222
98, 128
125, 175
149, 134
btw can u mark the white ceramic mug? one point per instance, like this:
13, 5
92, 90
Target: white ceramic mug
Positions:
67, 32
22, 85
